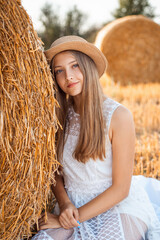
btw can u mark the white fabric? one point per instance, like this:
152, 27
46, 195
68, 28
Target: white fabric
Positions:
133, 218
42, 235
152, 187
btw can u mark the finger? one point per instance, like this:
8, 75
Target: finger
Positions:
41, 224
76, 214
66, 217
41, 220
73, 222
45, 226
69, 217
65, 223
42, 215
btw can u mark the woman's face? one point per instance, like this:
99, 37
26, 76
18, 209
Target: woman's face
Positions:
68, 74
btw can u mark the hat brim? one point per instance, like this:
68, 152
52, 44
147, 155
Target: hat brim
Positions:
89, 49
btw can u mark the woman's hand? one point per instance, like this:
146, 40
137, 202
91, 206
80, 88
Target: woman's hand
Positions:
52, 221
68, 216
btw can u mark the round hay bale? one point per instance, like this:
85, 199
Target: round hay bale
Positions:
27, 124
132, 47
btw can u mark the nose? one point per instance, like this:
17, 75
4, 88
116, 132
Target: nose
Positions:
69, 75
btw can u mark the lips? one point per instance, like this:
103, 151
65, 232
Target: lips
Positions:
72, 84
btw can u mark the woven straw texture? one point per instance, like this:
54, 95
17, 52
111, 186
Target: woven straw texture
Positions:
131, 46
27, 124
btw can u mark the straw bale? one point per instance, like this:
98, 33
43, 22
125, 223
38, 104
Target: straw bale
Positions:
27, 124
131, 45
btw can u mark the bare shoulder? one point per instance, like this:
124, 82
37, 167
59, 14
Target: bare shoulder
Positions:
122, 118
121, 113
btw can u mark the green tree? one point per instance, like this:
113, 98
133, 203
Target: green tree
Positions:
51, 26
134, 7
73, 22
54, 27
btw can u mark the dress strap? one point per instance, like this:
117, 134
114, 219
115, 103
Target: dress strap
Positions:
109, 106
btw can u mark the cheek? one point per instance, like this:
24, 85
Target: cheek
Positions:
80, 76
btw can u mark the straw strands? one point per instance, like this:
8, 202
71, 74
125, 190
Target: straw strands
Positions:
27, 124
143, 100
131, 45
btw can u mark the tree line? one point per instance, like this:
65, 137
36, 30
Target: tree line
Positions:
53, 27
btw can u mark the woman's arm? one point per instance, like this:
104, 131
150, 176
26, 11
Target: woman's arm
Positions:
68, 212
122, 136
52, 221
59, 191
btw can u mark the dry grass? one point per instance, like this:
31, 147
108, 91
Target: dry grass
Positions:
143, 100
27, 124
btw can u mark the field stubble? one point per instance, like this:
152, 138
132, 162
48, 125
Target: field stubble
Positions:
143, 100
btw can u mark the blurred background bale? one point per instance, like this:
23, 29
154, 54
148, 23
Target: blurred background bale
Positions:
132, 46
27, 124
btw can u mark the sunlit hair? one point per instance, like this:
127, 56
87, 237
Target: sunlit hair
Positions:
91, 143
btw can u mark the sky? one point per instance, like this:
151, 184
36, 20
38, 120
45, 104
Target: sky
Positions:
98, 11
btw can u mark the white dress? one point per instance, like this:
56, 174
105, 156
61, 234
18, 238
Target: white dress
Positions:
134, 218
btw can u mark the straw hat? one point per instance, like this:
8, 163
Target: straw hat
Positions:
78, 44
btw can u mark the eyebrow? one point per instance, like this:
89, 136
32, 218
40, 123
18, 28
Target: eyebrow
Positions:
69, 63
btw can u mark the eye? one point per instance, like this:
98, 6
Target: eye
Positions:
75, 65
58, 71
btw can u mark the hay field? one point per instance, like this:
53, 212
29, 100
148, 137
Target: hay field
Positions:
143, 100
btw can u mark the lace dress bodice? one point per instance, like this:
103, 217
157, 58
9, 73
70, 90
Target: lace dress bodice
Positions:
93, 176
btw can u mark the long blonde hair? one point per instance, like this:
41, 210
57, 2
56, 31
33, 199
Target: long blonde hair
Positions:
91, 143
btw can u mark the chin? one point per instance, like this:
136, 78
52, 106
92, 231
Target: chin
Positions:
75, 94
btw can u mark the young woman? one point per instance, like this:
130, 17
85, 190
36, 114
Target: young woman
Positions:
97, 196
